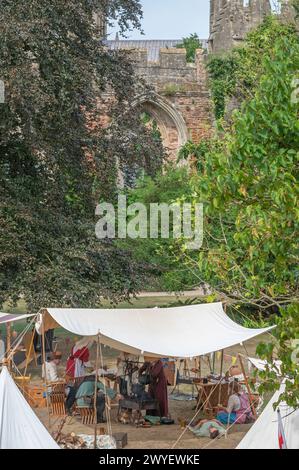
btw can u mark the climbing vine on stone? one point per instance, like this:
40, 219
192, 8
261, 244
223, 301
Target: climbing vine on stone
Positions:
236, 75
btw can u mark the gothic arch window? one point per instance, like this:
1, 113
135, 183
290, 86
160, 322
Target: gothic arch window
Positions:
167, 119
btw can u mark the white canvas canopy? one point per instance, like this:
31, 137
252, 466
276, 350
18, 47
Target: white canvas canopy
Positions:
264, 433
20, 428
183, 332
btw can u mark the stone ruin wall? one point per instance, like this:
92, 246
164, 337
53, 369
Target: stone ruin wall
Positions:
232, 20
181, 103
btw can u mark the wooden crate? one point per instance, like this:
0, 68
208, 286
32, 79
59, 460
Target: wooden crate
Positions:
23, 382
36, 397
121, 439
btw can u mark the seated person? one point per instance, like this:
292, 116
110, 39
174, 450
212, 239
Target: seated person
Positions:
83, 395
51, 372
238, 409
208, 428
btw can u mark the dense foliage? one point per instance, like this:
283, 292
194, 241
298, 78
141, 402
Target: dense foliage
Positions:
249, 188
191, 44
285, 347
235, 76
162, 271
56, 160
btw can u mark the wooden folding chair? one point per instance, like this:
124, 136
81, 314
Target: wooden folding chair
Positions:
87, 415
57, 399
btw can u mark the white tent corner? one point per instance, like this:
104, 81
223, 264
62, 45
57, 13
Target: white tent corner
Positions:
20, 428
264, 433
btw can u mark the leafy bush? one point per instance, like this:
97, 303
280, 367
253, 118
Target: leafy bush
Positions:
191, 44
164, 272
237, 74
249, 188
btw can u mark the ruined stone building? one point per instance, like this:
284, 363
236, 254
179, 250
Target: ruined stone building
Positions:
232, 20
180, 104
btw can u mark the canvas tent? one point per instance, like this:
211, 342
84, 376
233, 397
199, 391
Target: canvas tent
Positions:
261, 364
20, 428
182, 332
264, 433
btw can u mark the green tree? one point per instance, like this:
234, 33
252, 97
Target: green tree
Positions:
163, 272
56, 163
285, 347
191, 44
236, 75
250, 190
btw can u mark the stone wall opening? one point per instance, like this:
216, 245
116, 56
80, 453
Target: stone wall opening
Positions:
168, 121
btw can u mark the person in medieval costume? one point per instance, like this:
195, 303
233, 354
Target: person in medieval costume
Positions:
78, 359
238, 409
158, 383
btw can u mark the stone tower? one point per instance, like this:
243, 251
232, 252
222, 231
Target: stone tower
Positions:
231, 20
288, 12
101, 24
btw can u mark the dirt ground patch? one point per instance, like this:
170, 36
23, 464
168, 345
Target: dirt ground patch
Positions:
156, 437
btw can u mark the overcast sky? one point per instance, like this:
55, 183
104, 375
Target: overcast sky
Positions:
172, 19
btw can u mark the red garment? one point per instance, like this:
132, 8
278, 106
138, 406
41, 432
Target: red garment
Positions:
158, 387
82, 354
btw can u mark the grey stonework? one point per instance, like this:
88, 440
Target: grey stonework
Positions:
232, 20
179, 101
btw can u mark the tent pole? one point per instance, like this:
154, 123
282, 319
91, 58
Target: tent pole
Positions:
95, 394
8, 345
221, 372
214, 358
248, 387
29, 353
209, 362
45, 371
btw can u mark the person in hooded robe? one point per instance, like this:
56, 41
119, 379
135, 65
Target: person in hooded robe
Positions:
158, 384
78, 360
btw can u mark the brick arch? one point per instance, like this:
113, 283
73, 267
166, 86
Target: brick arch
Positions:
170, 121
